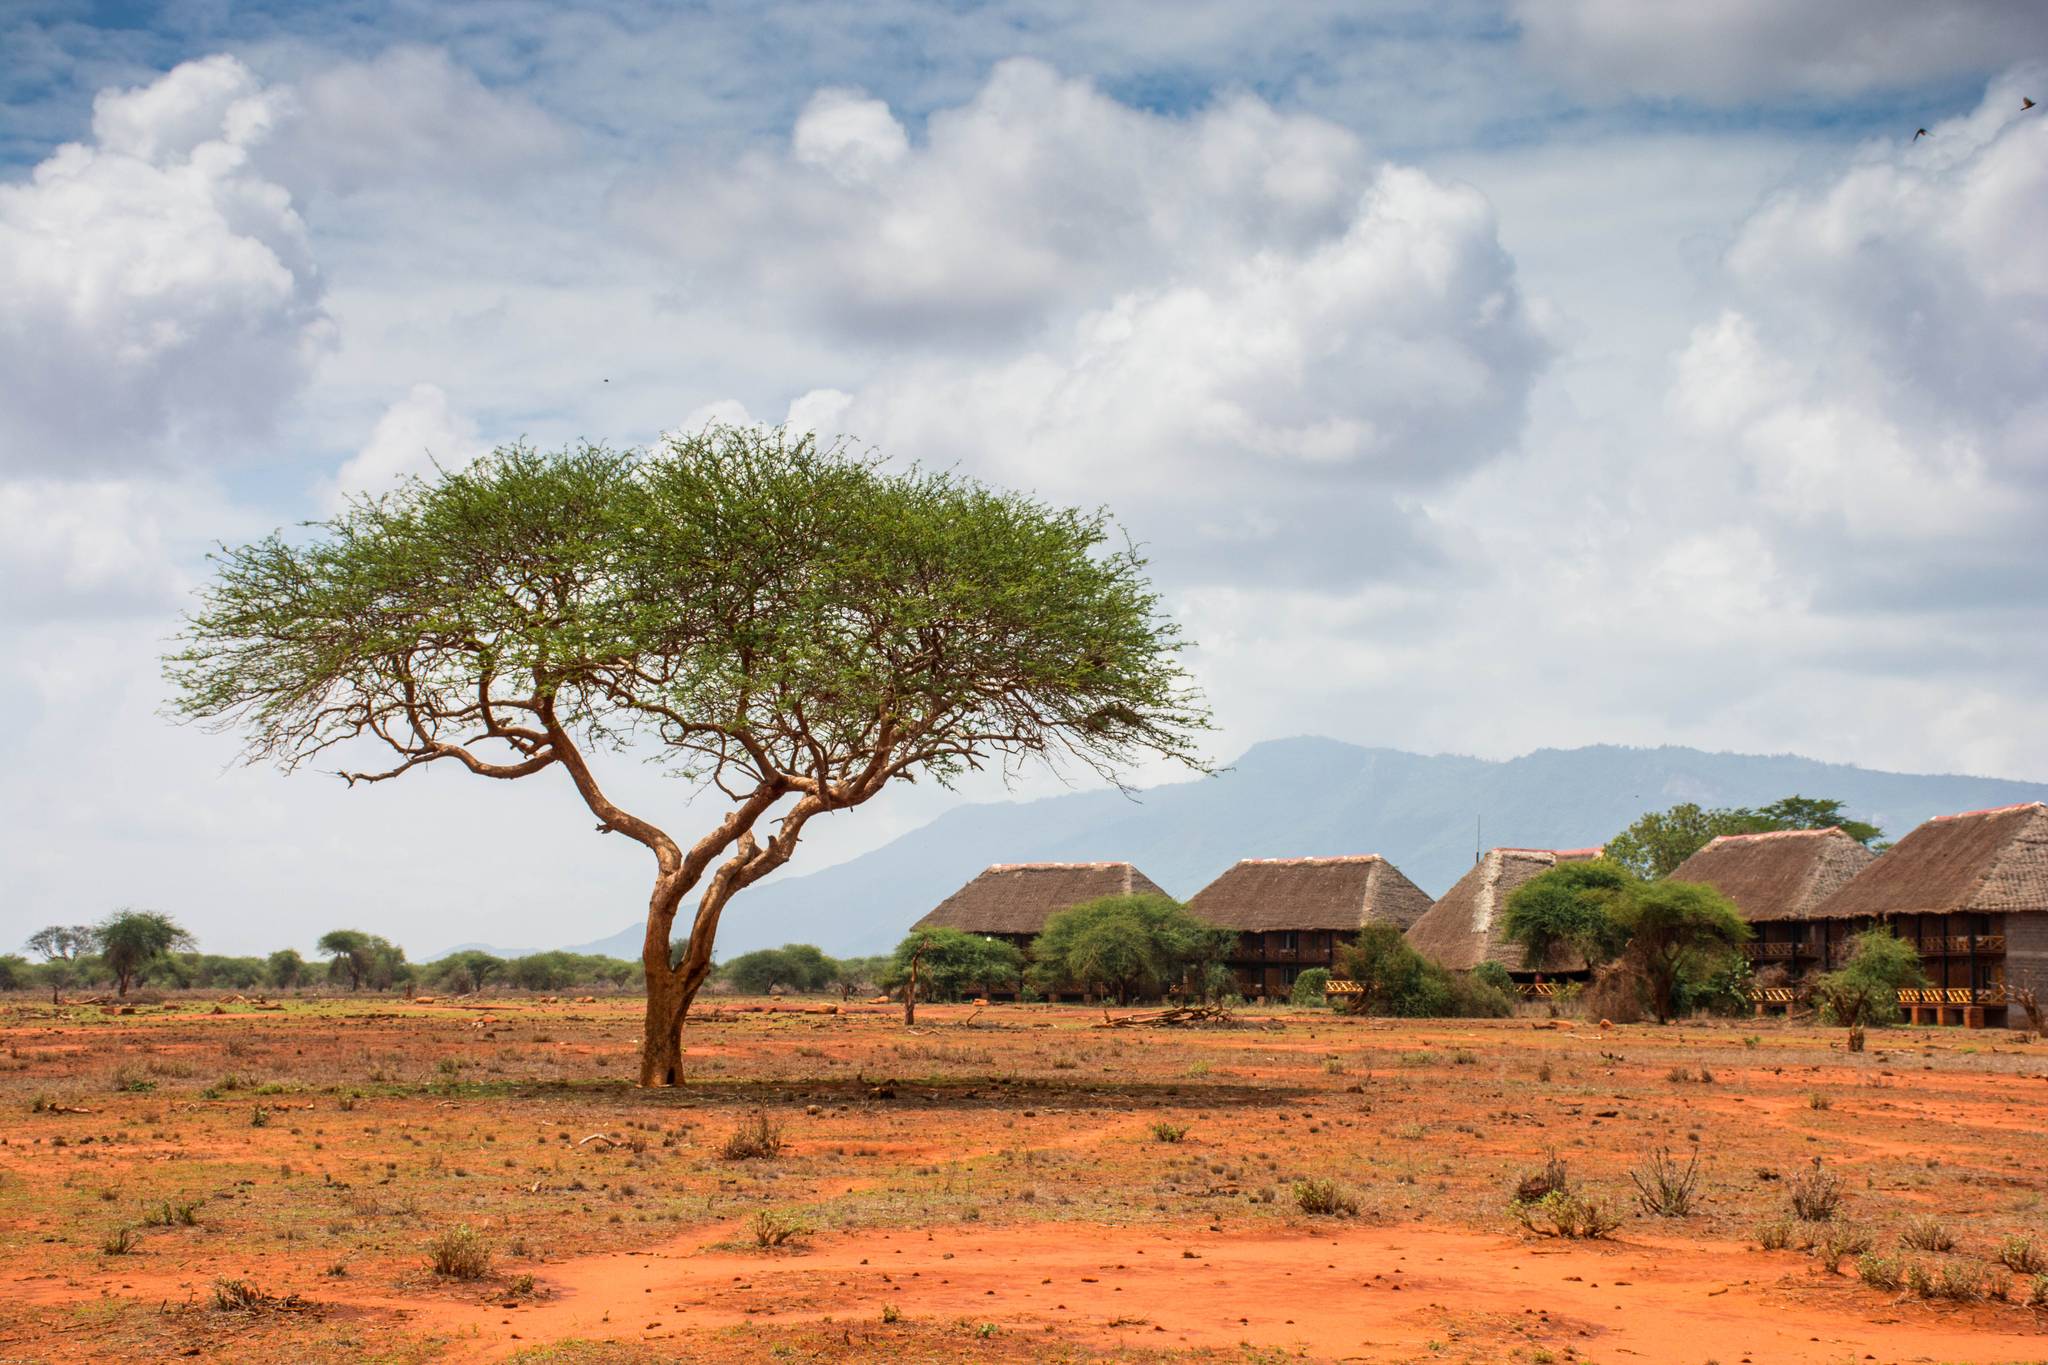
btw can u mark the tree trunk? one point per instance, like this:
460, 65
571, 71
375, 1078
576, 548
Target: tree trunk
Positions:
670, 989
910, 989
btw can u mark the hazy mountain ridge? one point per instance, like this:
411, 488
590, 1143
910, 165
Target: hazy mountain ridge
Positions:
1312, 796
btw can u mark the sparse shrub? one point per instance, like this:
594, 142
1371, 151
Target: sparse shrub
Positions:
2037, 1292
1553, 1177
1819, 1101
1665, 1188
1567, 1213
461, 1253
1324, 1199
1775, 1235
1817, 1195
1927, 1234
118, 1242
1169, 1132
1918, 1280
1842, 1240
1879, 1272
772, 1229
1543, 1072
172, 1213
2021, 1256
1959, 1282
239, 1296
259, 1117
890, 1313
127, 1080
1678, 1075
757, 1139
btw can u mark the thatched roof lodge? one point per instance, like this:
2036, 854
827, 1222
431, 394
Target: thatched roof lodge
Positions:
1780, 875
1294, 913
1466, 927
1014, 900
1777, 880
1971, 890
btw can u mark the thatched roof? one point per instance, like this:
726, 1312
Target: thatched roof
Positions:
1018, 898
1261, 894
1780, 875
1465, 928
1984, 861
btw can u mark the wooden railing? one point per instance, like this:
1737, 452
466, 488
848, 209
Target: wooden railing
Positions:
1982, 944
1952, 995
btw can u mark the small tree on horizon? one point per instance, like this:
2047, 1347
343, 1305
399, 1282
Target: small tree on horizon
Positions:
787, 627
61, 946
130, 940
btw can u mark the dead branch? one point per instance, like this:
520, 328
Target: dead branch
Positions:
1179, 1016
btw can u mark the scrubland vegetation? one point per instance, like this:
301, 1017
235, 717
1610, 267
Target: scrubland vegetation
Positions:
355, 1177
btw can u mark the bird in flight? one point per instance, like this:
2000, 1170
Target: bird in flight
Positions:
2025, 104
1920, 134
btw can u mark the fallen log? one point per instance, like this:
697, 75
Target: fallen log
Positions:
1178, 1016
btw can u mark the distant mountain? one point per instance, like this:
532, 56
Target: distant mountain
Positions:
1312, 796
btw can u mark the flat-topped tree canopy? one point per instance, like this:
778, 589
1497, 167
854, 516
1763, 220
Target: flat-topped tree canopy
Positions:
1981, 861
1779, 875
1468, 925
1018, 898
1345, 894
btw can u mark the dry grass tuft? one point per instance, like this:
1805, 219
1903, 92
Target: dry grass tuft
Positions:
461, 1253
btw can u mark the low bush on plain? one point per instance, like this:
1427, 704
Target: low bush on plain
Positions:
1926, 1234
461, 1253
1664, 1187
2021, 1256
1324, 1199
1817, 1195
757, 1139
772, 1229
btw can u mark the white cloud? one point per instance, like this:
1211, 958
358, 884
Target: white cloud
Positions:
97, 547
852, 138
161, 293
1232, 326
1039, 195
1875, 376
1731, 50
406, 116
417, 434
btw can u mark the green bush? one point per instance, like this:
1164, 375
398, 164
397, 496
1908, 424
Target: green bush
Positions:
953, 963
1310, 986
1396, 980
1129, 946
1865, 992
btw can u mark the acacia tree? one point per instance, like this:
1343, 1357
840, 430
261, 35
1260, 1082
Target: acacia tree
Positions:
61, 946
131, 940
786, 626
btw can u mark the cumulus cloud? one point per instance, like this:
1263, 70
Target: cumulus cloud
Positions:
1234, 327
417, 434
161, 293
1873, 383
1733, 50
406, 115
1039, 194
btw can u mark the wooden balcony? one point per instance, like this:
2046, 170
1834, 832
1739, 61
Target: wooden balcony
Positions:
1961, 945
1952, 995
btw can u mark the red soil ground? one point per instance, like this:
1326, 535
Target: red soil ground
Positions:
995, 1186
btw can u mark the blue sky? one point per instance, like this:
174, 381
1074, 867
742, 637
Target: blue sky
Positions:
1481, 376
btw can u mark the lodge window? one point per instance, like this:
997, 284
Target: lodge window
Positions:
1290, 940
